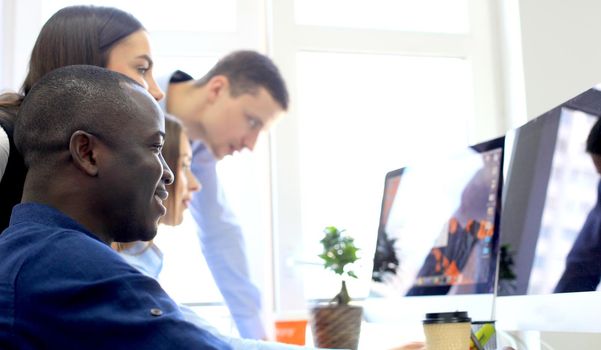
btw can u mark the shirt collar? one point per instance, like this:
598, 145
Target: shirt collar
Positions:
48, 216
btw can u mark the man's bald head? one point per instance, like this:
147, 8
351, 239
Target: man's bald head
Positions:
72, 98
92, 141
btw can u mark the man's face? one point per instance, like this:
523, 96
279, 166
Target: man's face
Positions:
135, 174
231, 124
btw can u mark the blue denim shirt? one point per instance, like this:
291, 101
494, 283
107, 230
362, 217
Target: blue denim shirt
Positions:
63, 288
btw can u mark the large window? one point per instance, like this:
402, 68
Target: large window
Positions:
444, 16
374, 85
361, 115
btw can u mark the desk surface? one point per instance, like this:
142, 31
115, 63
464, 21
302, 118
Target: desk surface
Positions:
388, 335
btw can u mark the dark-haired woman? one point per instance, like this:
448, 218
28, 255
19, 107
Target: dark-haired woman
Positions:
100, 36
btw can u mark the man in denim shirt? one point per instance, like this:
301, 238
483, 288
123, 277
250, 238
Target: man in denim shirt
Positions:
91, 140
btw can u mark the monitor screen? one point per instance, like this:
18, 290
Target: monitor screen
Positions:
550, 247
550, 232
438, 228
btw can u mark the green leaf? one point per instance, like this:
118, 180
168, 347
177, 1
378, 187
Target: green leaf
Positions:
338, 251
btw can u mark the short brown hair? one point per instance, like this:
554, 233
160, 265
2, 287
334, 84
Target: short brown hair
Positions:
247, 71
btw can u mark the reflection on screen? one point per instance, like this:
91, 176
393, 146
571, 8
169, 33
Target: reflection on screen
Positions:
571, 194
438, 225
552, 187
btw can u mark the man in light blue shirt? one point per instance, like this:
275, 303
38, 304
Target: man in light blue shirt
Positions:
224, 112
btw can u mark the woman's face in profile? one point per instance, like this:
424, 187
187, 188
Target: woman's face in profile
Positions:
132, 57
186, 183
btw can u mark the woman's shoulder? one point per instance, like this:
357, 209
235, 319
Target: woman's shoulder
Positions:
4, 150
9, 106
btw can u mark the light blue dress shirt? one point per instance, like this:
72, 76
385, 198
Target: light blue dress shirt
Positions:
222, 241
148, 259
145, 257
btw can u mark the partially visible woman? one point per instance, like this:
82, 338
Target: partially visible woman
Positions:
12, 168
9, 101
4, 150
179, 154
146, 256
100, 36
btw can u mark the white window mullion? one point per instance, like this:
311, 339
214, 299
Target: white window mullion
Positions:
287, 225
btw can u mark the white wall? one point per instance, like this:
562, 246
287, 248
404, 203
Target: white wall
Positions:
561, 340
560, 42
4, 35
20, 24
533, 340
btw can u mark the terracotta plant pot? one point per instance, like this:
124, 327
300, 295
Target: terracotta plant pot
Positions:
336, 326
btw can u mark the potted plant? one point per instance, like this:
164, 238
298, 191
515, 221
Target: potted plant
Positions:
337, 324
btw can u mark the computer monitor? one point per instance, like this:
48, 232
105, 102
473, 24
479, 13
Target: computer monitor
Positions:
438, 235
551, 187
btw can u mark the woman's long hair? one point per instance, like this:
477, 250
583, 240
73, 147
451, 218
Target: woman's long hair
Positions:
73, 35
171, 152
78, 35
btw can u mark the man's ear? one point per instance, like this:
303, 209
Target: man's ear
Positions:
83, 147
217, 85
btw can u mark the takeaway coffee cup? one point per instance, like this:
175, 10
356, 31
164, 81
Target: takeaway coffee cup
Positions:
447, 330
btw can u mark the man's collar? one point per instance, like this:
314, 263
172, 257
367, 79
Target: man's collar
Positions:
48, 216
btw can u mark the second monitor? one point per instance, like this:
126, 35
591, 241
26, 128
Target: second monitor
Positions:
438, 229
